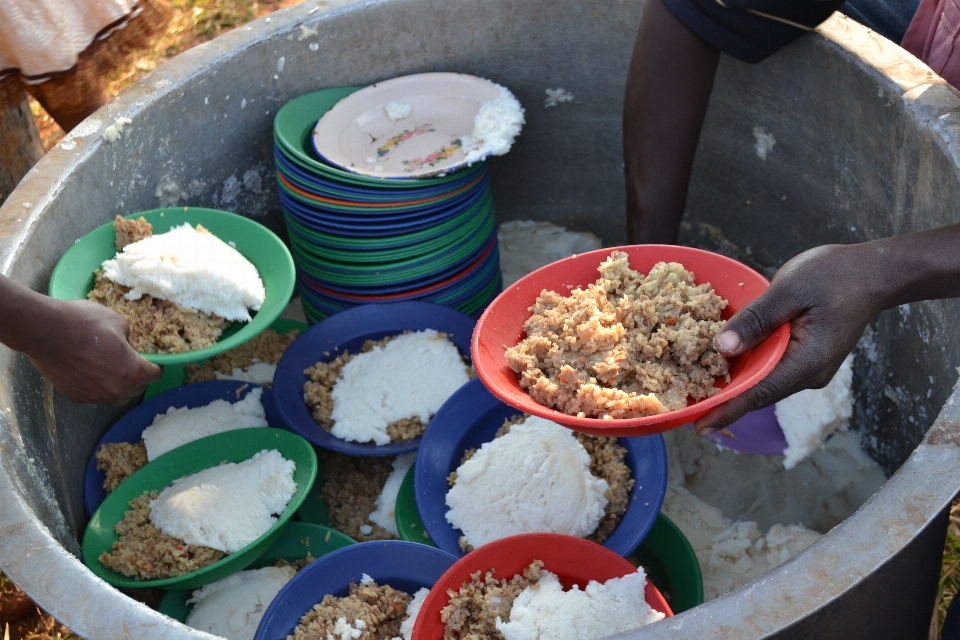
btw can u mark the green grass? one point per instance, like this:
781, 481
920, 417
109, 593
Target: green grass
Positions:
6, 585
950, 569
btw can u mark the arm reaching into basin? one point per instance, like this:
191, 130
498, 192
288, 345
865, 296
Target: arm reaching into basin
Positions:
828, 295
671, 75
80, 346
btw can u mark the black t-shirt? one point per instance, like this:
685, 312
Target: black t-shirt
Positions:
751, 30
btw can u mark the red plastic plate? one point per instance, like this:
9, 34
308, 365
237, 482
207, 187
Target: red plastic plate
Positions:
575, 561
501, 326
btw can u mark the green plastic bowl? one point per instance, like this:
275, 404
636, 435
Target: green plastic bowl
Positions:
298, 539
409, 523
314, 507
175, 375
670, 563
72, 278
232, 446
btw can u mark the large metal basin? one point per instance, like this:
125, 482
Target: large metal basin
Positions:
866, 147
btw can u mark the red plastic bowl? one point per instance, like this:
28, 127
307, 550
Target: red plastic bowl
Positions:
501, 326
575, 561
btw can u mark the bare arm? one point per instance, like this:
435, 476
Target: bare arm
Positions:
828, 295
80, 346
668, 87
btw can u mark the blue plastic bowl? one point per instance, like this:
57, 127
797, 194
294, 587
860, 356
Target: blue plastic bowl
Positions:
130, 427
471, 417
407, 566
347, 331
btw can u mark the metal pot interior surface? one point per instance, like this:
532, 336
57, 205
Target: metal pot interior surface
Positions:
865, 147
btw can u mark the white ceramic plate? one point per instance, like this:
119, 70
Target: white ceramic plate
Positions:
357, 135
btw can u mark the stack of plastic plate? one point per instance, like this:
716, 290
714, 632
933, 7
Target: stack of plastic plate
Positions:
357, 239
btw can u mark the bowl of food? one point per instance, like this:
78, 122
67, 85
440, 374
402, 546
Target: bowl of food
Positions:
628, 353
233, 607
486, 471
393, 576
174, 316
367, 381
200, 512
538, 584
167, 421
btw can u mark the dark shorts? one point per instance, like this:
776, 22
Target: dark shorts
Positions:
751, 30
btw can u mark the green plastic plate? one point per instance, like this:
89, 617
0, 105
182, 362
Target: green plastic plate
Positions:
670, 563
298, 539
72, 278
175, 375
232, 446
409, 523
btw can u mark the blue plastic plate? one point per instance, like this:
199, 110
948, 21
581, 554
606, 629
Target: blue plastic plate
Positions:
315, 216
130, 427
471, 417
347, 331
407, 566
345, 223
342, 191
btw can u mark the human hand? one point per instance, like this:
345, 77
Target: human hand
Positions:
828, 295
86, 355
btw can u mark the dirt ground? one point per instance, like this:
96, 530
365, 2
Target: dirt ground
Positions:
194, 22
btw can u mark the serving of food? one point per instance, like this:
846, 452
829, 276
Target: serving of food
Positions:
485, 472
389, 391
191, 282
539, 586
200, 518
378, 612
367, 381
533, 605
628, 346
200, 512
628, 353
178, 290
538, 476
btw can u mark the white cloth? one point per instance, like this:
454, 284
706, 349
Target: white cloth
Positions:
46, 36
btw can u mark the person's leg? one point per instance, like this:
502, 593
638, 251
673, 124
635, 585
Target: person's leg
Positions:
70, 99
20, 145
951, 623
